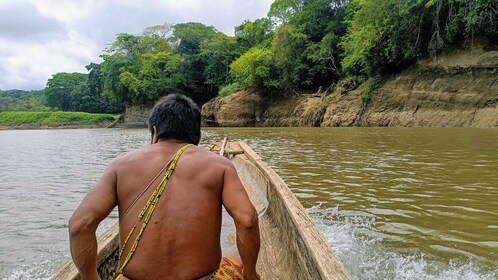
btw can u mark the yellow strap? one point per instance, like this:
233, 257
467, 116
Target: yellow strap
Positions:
148, 209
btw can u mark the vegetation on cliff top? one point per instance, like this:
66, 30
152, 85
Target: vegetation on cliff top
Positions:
300, 45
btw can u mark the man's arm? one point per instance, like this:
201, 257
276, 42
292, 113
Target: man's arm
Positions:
239, 206
95, 207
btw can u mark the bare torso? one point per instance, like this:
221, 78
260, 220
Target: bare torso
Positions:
182, 239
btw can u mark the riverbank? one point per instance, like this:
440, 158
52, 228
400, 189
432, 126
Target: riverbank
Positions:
459, 89
48, 120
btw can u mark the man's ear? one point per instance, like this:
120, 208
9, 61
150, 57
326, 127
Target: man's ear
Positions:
154, 135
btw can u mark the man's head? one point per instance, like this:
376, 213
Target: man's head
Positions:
176, 117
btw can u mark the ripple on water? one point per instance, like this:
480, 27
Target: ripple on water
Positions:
411, 178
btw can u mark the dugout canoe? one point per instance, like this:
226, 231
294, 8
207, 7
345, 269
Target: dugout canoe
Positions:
292, 247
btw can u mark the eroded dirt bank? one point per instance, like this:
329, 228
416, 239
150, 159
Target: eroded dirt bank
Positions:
456, 90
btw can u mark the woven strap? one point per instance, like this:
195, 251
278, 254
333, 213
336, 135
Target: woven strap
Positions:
150, 206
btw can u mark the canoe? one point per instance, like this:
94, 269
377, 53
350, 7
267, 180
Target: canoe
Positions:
292, 247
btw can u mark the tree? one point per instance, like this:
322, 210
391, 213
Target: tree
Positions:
135, 67
385, 36
95, 87
95, 79
283, 11
158, 76
188, 39
256, 69
289, 46
254, 34
20, 100
62, 88
217, 55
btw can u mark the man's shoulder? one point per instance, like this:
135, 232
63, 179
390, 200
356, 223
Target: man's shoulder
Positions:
130, 156
204, 156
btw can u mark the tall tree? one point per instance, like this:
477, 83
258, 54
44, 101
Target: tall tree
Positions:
217, 55
289, 48
188, 39
256, 33
62, 88
130, 61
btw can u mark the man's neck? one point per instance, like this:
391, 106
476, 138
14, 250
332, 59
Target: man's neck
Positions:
171, 141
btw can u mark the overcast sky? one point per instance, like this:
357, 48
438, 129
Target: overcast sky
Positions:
39, 38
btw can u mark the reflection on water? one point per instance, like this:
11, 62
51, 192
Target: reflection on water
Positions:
394, 203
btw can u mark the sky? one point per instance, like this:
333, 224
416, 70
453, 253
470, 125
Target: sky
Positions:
39, 38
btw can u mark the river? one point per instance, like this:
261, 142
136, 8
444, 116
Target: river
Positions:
394, 203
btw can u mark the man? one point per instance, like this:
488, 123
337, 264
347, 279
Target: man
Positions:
181, 209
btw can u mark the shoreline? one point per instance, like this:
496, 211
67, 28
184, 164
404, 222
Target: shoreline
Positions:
34, 127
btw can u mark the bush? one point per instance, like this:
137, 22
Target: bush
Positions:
228, 89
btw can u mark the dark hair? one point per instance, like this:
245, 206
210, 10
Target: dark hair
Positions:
176, 117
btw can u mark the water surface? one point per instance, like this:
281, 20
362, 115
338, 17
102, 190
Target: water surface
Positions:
395, 203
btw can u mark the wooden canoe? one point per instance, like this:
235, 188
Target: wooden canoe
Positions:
291, 245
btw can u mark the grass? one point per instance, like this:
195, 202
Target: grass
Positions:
368, 87
228, 89
54, 119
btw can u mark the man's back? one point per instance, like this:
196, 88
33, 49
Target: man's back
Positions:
186, 224
182, 238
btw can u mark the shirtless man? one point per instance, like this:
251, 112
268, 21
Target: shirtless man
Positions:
182, 238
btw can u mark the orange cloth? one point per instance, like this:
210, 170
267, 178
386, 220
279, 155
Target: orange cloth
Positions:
229, 269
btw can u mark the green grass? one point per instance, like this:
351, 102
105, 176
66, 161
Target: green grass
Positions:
368, 87
228, 89
54, 119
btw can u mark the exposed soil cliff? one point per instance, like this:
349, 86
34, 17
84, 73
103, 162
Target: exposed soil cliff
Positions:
459, 89
134, 116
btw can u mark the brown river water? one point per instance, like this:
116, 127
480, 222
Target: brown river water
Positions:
394, 203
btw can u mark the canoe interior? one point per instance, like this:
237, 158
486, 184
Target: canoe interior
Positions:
291, 245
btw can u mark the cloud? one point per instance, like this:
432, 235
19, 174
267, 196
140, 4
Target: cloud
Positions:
41, 38
23, 21
34, 64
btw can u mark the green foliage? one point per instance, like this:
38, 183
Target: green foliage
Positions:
385, 36
20, 100
79, 92
63, 88
307, 45
284, 10
318, 18
36, 119
256, 69
289, 48
217, 56
382, 36
300, 45
256, 33
188, 37
367, 89
229, 89
156, 77
134, 66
